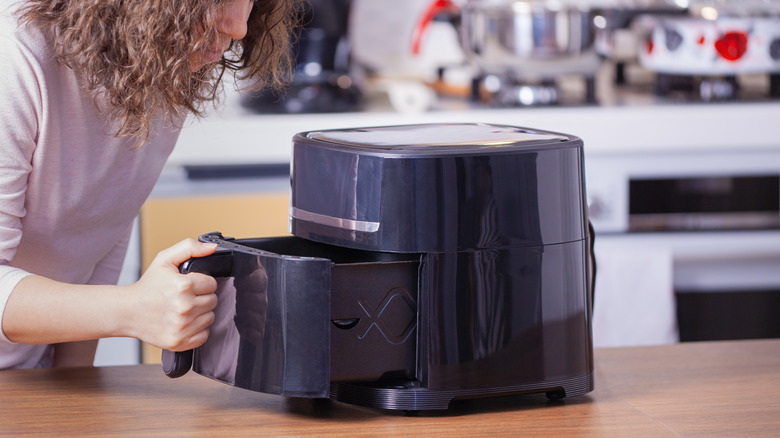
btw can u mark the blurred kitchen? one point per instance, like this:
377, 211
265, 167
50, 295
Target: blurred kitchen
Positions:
678, 103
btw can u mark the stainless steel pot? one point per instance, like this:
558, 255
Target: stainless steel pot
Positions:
495, 33
522, 41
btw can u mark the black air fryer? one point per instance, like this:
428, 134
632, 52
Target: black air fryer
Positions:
427, 263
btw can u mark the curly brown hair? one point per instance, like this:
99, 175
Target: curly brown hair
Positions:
136, 53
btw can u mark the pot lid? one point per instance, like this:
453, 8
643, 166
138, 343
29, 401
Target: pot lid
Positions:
443, 136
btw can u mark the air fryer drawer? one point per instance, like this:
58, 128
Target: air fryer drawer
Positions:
295, 315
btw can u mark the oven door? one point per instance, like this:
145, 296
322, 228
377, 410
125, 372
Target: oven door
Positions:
688, 244
730, 289
665, 287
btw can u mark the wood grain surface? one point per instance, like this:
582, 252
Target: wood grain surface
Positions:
692, 389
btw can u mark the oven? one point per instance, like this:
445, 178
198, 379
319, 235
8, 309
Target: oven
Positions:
697, 230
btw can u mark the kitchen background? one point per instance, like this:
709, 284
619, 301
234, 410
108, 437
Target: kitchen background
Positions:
678, 103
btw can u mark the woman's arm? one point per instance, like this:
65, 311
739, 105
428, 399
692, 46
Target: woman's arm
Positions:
82, 353
164, 308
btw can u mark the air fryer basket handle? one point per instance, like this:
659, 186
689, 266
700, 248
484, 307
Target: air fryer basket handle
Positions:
219, 264
176, 363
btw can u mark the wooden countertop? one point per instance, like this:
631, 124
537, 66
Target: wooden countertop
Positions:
693, 389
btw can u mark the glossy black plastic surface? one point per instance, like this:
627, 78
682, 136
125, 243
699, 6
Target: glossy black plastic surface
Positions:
296, 315
492, 318
401, 331
438, 198
272, 331
429, 262
219, 264
176, 363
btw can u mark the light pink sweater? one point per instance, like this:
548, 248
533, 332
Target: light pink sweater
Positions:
69, 190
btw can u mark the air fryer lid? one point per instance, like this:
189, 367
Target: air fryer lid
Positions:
437, 187
456, 138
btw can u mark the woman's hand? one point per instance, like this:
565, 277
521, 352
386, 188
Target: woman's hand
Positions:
174, 311
164, 308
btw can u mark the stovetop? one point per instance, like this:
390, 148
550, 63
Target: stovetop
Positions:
626, 84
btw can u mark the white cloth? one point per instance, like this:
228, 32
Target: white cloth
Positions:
634, 300
69, 189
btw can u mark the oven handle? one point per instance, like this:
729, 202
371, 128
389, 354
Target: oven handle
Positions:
219, 264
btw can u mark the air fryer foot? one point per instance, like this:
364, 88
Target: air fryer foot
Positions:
556, 395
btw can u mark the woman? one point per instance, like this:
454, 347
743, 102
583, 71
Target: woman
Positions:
92, 97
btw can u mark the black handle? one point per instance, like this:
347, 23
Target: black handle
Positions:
219, 264
176, 363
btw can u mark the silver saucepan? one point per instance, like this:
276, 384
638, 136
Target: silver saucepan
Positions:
536, 37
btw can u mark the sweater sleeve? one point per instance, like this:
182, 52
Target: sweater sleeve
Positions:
109, 268
20, 105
